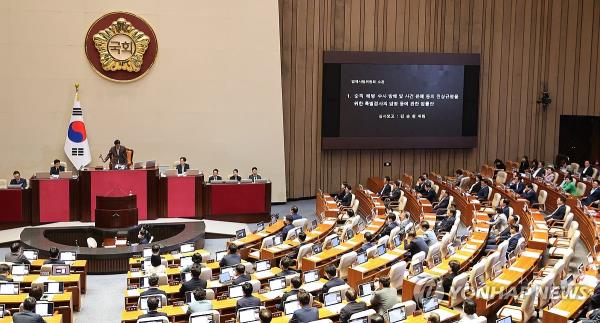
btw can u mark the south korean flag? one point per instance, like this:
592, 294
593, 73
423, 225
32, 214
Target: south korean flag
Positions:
77, 147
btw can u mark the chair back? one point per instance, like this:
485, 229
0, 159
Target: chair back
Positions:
162, 319
490, 261
328, 239
163, 300
300, 223
542, 196
457, 289
266, 243
502, 249
501, 177
397, 274
163, 279
477, 269
545, 293
446, 239
91, 243
345, 262
568, 218
580, 190
409, 307
496, 200
401, 203
205, 273
383, 240
355, 205
302, 252
418, 257
129, 155
464, 183
575, 167
436, 188
371, 251
432, 252
575, 239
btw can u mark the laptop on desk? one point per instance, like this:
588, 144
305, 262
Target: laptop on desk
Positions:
311, 280
333, 301
291, 306
365, 291
171, 173
397, 314
65, 175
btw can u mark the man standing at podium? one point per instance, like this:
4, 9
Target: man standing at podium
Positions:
117, 155
183, 166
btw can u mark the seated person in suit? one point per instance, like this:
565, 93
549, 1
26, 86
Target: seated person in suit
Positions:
459, 176
549, 175
529, 194
265, 316
539, 171
332, 280
497, 236
469, 311
57, 168
194, 282
54, 254
285, 264
287, 222
440, 208
387, 188
568, 186
370, 240
247, 300
384, 297
235, 176
505, 203
429, 193
196, 260
144, 235
305, 313
215, 176
156, 266
428, 234
587, 170
240, 274
420, 185
152, 308
4, 273
476, 187
498, 164
390, 224
153, 290
559, 212
200, 303
16, 255
524, 164
395, 194
414, 244
301, 238
232, 257
594, 195
404, 219
447, 280
484, 192
18, 180
352, 307
254, 175
347, 199
28, 314
294, 213
296, 282
446, 224
517, 184
183, 166
340, 195
513, 241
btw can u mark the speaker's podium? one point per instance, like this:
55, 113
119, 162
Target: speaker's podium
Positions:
114, 212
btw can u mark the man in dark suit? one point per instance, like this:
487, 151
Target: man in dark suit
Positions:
516, 184
54, 254
294, 213
332, 280
529, 194
296, 283
420, 186
513, 241
369, 242
559, 212
352, 307
285, 264
153, 290
524, 164
440, 208
4, 273
254, 175
28, 315
240, 272
16, 255
484, 192
339, 196
390, 224
247, 300
193, 283
429, 193
235, 176
587, 170
152, 309
232, 257
414, 245
215, 176
347, 199
18, 180
387, 188
183, 166
117, 155
506, 207
539, 172
446, 224
56, 168
306, 313
476, 187
287, 222
448, 279
594, 195
494, 240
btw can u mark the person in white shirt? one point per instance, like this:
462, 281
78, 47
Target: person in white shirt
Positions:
428, 234
469, 308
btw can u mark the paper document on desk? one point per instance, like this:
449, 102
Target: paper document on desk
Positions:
133, 292
263, 274
502, 281
40, 280
560, 312
273, 294
518, 269
530, 254
388, 256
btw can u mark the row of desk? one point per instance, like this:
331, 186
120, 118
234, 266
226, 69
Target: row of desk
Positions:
63, 200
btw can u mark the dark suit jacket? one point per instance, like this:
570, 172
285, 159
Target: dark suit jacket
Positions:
215, 178
483, 193
350, 309
254, 177
54, 171
305, 315
388, 229
286, 295
518, 188
5, 279
365, 246
242, 279
446, 224
21, 182
417, 245
512, 242
185, 168
430, 195
285, 230
395, 195
475, 188
153, 291
347, 199
27, 317
230, 260
587, 172
443, 204
286, 272
506, 211
386, 190
235, 178
191, 284
17, 258
538, 172
594, 196
54, 262
559, 213
531, 196
152, 314
447, 283
504, 235
247, 301
523, 166
335, 281
117, 156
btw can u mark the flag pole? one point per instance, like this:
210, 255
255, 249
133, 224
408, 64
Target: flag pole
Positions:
77, 91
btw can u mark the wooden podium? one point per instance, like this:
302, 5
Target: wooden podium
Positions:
113, 212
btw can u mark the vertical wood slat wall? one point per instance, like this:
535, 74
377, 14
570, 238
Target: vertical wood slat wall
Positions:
523, 44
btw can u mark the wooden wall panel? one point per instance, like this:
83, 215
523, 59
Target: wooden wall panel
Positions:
523, 45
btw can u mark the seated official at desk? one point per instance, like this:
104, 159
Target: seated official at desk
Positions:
194, 282
387, 188
28, 314
287, 226
332, 280
305, 313
513, 241
152, 309
295, 284
395, 194
499, 233
240, 275
587, 170
390, 224
414, 244
16, 255
384, 297
215, 176
54, 255
235, 176
156, 266
370, 240
447, 280
294, 213
183, 166
517, 184
4, 273
568, 186
529, 194
446, 224
153, 288
144, 235
559, 212
339, 196
476, 187
56, 168
248, 300
594, 195
429, 193
18, 180
254, 175
232, 257
428, 234
200, 303
285, 264
352, 307
301, 238
484, 192
347, 198
440, 208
